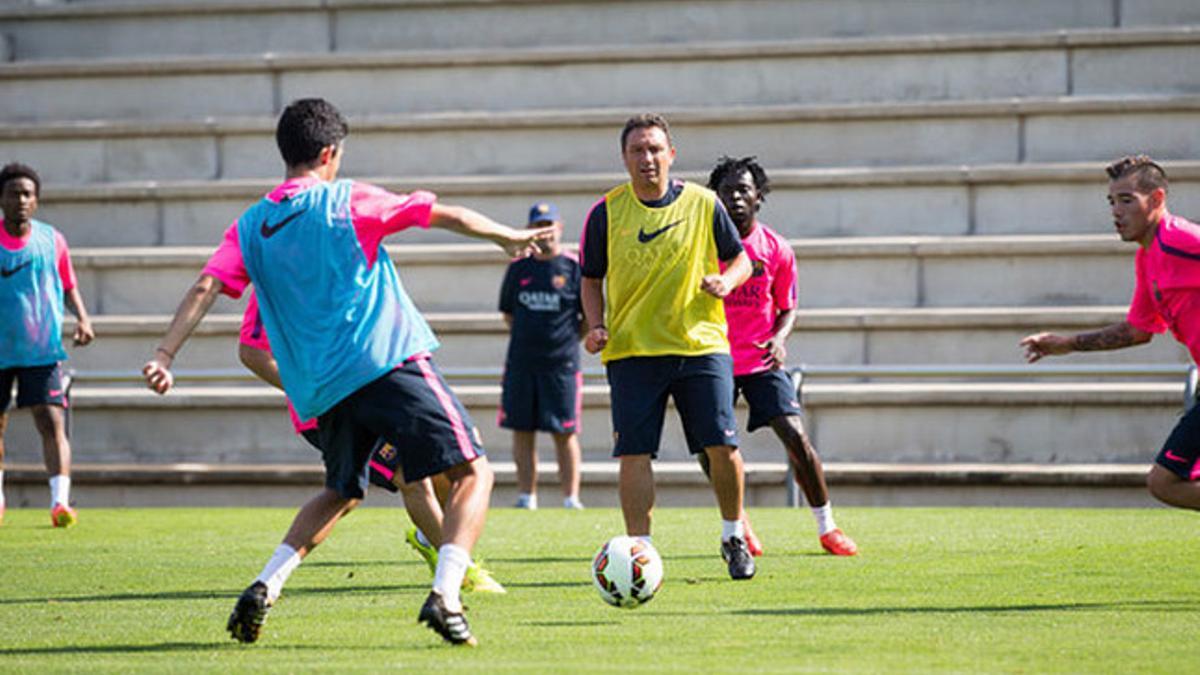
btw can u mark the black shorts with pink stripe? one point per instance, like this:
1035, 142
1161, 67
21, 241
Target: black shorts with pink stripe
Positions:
1181, 453
413, 409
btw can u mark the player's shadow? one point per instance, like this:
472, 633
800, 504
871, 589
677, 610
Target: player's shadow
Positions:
229, 594
124, 597
363, 563
162, 647
1136, 605
547, 584
540, 561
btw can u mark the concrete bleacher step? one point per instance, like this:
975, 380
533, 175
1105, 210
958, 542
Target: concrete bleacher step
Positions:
676, 484
45, 29
921, 68
566, 141
1001, 199
984, 271
1051, 422
836, 336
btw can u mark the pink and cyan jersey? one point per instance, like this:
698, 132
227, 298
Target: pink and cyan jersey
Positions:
375, 212
1167, 287
254, 334
62, 254
751, 309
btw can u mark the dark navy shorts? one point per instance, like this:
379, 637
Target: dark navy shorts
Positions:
413, 409
541, 399
700, 386
769, 394
36, 385
1181, 453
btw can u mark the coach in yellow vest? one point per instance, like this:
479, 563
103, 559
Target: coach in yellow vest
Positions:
652, 296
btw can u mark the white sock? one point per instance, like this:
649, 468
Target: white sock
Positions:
283, 562
572, 502
421, 538
824, 516
731, 529
453, 562
60, 490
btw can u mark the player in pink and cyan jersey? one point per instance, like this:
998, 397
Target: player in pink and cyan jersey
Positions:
352, 349
36, 280
1166, 296
423, 504
760, 314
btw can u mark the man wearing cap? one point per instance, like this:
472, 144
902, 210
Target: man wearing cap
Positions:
542, 380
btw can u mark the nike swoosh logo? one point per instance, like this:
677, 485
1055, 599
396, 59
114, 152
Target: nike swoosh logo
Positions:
8, 273
647, 237
269, 231
1172, 456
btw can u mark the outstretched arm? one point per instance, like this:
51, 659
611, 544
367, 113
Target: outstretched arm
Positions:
517, 243
196, 303
1117, 336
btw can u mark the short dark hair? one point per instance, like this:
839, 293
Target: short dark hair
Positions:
729, 166
645, 121
306, 126
1148, 175
18, 170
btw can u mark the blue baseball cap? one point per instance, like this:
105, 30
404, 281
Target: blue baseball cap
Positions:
543, 211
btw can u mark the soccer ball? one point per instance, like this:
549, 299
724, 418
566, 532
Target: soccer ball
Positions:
627, 572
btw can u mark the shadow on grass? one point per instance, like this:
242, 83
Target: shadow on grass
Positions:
162, 647
1144, 605
569, 624
229, 594
407, 562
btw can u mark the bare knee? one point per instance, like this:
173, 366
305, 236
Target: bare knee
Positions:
48, 420
1160, 481
478, 470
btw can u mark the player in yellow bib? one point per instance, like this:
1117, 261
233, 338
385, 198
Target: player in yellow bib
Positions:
652, 295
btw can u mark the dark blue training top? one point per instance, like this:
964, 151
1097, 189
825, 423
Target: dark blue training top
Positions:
595, 244
543, 298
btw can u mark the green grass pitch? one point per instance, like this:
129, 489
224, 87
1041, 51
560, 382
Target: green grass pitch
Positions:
950, 590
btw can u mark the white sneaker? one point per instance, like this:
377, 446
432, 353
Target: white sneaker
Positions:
572, 503
527, 502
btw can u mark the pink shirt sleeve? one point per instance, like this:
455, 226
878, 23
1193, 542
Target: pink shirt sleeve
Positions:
62, 254
376, 213
1143, 314
228, 265
784, 290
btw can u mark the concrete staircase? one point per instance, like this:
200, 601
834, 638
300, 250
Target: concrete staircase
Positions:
938, 164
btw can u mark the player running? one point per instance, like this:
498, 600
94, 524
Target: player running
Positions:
543, 384
36, 277
352, 349
761, 313
1166, 296
652, 291
421, 501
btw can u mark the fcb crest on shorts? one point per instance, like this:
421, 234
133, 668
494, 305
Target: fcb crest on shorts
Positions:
387, 453
559, 280
758, 268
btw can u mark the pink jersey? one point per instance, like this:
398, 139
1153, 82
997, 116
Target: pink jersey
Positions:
751, 309
254, 334
375, 212
62, 254
1167, 286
